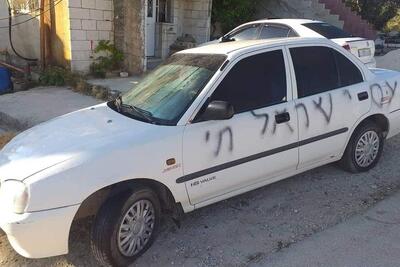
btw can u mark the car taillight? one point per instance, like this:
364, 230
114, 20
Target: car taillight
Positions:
347, 47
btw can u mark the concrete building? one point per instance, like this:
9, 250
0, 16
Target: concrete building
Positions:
143, 29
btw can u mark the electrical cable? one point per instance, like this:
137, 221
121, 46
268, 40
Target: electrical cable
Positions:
10, 36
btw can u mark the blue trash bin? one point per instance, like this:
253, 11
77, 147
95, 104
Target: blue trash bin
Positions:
5, 80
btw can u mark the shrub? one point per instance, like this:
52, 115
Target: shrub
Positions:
109, 58
57, 76
232, 13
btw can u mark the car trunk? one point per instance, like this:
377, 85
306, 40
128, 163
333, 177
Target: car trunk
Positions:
361, 48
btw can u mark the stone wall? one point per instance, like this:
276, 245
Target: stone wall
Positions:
197, 19
129, 33
90, 21
309, 9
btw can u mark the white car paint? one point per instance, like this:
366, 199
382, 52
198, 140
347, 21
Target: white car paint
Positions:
353, 43
65, 160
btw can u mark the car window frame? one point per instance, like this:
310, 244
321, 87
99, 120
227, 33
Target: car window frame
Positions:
242, 28
231, 63
279, 25
339, 73
339, 49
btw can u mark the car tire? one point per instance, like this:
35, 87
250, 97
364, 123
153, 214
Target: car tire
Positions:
364, 149
134, 215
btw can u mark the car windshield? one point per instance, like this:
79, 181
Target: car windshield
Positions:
166, 93
327, 30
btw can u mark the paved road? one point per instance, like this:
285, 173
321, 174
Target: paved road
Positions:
250, 228
28, 108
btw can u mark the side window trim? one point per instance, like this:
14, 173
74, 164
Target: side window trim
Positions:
337, 68
234, 32
280, 25
293, 73
231, 64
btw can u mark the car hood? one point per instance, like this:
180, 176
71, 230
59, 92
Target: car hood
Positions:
64, 138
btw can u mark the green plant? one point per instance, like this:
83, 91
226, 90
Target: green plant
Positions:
376, 12
393, 24
58, 76
231, 13
108, 58
52, 76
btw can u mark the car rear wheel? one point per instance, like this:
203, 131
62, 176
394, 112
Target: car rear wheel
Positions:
364, 149
125, 227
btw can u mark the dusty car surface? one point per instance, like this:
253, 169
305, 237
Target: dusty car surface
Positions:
279, 28
210, 123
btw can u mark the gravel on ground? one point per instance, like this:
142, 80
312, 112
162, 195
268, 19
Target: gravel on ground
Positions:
247, 229
390, 61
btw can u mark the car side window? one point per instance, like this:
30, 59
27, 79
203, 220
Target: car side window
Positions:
248, 33
349, 73
315, 70
292, 33
274, 31
254, 82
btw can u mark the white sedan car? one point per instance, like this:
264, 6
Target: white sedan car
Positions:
280, 28
210, 123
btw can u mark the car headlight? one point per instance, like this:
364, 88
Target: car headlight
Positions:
14, 196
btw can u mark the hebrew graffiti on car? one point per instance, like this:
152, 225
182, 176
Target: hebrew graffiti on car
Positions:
318, 106
380, 100
347, 93
287, 123
373, 88
302, 106
392, 90
323, 104
207, 137
266, 120
227, 130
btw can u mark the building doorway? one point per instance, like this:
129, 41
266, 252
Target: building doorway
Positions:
150, 27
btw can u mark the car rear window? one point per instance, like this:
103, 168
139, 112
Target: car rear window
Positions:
327, 30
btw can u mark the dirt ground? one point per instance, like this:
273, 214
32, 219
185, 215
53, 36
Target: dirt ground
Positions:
249, 228
5, 137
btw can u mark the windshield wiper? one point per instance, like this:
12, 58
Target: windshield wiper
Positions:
146, 115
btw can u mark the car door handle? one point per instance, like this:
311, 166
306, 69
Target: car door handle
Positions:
363, 96
282, 118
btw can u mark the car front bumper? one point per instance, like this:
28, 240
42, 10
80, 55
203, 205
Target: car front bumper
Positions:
39, 234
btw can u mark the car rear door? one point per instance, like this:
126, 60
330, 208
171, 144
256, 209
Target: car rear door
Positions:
222, 158
332, 97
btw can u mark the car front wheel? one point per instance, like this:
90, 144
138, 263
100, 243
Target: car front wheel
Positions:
364, 149
125, 227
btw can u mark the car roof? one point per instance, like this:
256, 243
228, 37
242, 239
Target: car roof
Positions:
250, 45
285, 21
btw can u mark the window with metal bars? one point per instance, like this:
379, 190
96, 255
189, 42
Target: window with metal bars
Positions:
164, 11
25, 6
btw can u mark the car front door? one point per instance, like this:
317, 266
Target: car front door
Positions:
223, 158
332, 97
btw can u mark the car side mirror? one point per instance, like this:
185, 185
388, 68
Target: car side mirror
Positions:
226, 38
217, 110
